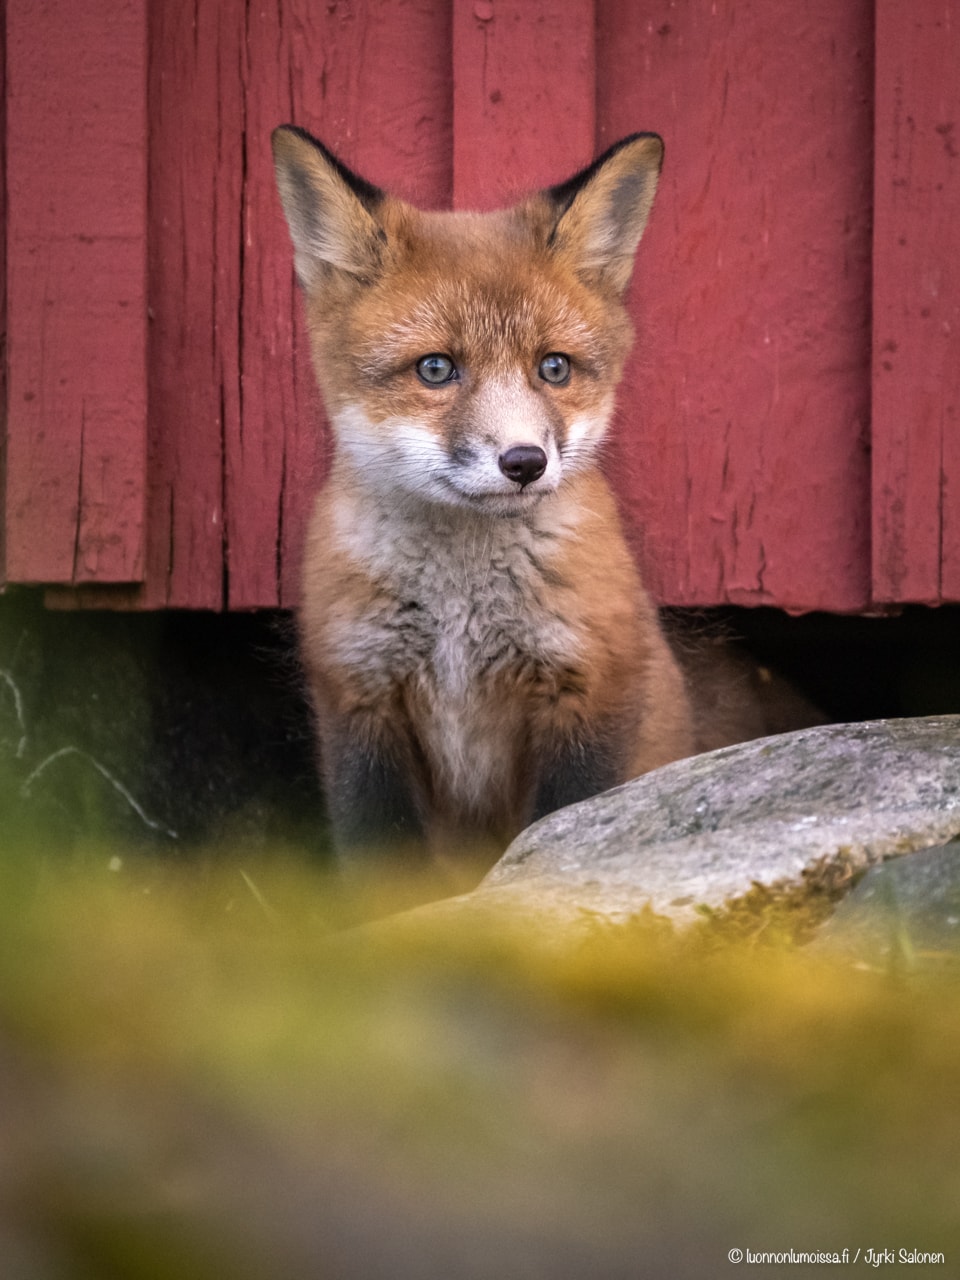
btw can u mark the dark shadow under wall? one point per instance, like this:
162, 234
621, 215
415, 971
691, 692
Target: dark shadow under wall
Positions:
168, 732
178, 731
861, 668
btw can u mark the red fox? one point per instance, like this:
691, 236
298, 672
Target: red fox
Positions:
479, 646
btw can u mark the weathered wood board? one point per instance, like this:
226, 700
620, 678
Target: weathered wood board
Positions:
916, 305
743, 444
524, 95
787, 431
76, 234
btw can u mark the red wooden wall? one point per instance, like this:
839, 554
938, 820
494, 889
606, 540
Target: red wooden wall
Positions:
76, 117
787, 433
916, 408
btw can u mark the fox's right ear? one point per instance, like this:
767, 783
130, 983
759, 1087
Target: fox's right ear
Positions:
331, 211
600, 213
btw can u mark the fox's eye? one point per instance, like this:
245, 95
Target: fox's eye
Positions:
555, 368
436, 369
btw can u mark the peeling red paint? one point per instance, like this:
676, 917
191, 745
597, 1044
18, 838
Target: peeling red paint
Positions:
742, 443
744, 418
76, 291
916, 371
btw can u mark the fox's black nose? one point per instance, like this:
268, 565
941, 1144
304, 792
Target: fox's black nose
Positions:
523, 463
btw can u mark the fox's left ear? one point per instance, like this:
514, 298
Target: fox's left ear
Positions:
600, 213
331, 211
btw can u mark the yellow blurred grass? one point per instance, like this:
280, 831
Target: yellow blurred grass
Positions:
624, 1092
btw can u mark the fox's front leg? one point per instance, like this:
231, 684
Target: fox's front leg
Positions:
372, 792
579, 762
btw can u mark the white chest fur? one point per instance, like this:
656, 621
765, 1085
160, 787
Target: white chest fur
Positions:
461, 600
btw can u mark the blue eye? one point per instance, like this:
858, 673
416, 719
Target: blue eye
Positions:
436, 369
555, 368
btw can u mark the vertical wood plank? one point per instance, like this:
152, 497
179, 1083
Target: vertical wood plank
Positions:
76, 255
374, 83
524, 96
916, 355
196, 175
742, 448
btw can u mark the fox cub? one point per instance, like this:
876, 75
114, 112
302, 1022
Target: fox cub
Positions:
479, 646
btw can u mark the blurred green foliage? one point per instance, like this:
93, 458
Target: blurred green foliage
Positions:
205, 1076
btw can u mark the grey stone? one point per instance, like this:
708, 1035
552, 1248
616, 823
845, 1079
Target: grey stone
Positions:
702, 831
903, 913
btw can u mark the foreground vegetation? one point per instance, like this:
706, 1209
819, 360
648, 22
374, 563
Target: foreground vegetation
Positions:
204, 1076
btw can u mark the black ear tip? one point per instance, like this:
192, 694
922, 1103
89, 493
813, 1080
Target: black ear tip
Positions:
285, 139
657, 141
563, 193
278, 138
652, 143
283, 134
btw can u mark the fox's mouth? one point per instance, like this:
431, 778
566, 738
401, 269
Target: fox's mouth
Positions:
506, 502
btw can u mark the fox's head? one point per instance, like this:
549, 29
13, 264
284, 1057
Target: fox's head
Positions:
467, 358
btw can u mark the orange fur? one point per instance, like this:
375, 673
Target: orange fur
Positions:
479, 648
